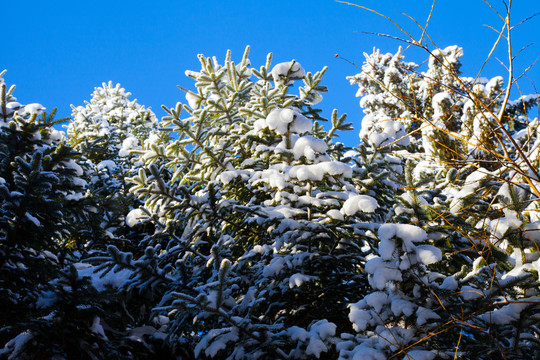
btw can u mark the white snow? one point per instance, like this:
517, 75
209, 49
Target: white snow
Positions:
135, 216
335, 168
297, 333
335, 214
506, 194
316, 347
299, 279
359, 317
472, 183
428, 254
401, 306
14, 346
381, 273
377, 300
71, 164
447, 56
285, 72
532, 231
106, 164
13, 105
97, 328
323, 329
386, 248
281, 120
509, 312
33, 219
309, 147
394, 337
112, 279
362, 352
216, 340
227, 176
441, 97
194, 101
75, 196
79, 182
419, 355
317, 172
359, 203
469, 293
152, 139
130, 143
301, 124
318, 333
275, 266
406, 232
501, 226
307, 172
494, 83
34, 108
384, 131
450, 283
426, 168
423, 315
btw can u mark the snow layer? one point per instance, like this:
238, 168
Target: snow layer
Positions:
406, 232
135, 217
509, 312
97, 328
284, 73
377, 300
283, 120
101, 281
216, 340
309, 147
16, 345
319, 331
359, 203
381, 273
129, 144
419, 355
299, 279
428, 254
382, 132
317, 172
472, 183
423, 315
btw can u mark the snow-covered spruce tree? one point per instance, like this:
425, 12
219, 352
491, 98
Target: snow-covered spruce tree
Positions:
387, 99
41, 190
261, 228
470, 183
100, 129
107, 132
53, 306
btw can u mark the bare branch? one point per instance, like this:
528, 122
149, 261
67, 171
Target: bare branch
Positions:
523, 21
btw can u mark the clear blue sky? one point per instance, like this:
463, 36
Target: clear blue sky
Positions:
56, 52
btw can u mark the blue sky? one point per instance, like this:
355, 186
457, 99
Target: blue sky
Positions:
56, 52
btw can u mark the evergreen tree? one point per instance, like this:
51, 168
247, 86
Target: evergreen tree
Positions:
107, 132
471, 187
41, 192
265, 226
239, 228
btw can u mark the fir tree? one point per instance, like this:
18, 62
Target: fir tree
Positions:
41, 192
239, 228
107, 132
471, 186
266, 225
